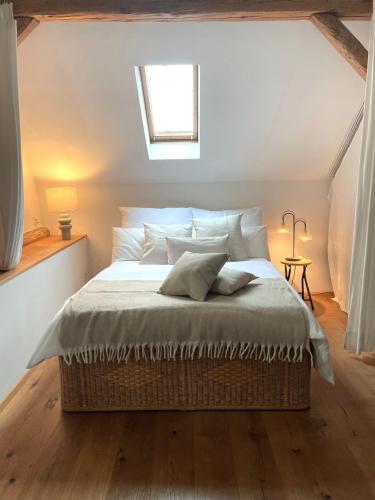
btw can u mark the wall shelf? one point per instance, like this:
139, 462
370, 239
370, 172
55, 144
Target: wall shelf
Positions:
36, 252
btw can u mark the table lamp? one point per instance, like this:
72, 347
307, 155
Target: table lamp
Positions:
305, 236
62, 200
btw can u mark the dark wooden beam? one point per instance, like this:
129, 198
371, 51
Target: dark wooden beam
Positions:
188, 10
25, 25
343, 40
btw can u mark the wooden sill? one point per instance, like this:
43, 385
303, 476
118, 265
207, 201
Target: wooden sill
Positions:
38, 251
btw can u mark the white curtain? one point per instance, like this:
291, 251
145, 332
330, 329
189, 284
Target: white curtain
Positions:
360, 336
343, 198
11, 189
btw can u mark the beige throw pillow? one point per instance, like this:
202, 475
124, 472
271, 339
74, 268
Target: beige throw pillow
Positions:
178, 246
229, 281
193, 275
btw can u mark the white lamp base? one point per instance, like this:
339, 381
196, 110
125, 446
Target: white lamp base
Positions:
65, 226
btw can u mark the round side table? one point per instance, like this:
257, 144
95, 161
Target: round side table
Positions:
299, 263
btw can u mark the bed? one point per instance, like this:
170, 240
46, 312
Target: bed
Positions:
120, 379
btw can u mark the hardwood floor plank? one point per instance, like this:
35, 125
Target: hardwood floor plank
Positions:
132, 472
214, 468
290, 450
325, 452
347, 416
93, 467
25, 430
57, 462
333, 465
173, 471
257, 473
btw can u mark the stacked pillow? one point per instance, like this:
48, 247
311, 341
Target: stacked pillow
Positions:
250, 216
193, 275
227, 225
178, 246
155, 244
196, 274
137, 216
236, 232
127, 243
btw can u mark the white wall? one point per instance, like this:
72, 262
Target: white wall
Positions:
32, 210
98, 212
28, 303
341, 224
275, 99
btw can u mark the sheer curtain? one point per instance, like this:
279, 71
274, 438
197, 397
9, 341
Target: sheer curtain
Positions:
11, 189
360, 336
343, 200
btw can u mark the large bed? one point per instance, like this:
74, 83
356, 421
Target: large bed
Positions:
225, 375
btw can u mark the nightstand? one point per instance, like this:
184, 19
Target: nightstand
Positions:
304, 263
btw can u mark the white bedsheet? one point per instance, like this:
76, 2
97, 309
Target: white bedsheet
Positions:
132, 270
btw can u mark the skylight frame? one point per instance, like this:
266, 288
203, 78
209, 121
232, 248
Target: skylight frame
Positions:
174, 137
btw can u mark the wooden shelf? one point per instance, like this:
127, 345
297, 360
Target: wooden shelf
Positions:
38, 251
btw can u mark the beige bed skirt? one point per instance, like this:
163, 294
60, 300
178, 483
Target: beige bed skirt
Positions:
197, 384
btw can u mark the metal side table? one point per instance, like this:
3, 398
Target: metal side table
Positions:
288, 264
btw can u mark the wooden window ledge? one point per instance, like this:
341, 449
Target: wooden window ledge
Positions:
36, 252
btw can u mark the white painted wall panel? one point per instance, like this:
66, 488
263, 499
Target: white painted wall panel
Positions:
28, 303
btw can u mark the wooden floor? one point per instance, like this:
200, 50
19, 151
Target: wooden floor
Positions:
325, 452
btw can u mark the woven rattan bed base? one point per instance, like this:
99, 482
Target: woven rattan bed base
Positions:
197, 384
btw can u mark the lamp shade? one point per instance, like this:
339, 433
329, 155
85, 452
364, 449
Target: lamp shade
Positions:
282, 229
305, 236
61, 199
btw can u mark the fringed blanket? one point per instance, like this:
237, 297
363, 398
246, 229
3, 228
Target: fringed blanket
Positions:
116, 320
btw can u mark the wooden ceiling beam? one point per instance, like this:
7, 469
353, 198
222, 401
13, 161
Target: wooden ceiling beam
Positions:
343, 41
25, 25
188, 10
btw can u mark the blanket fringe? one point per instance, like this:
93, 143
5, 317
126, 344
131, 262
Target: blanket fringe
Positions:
184, 351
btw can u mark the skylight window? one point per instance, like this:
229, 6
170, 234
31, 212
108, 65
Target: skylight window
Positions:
169, 105
170, 94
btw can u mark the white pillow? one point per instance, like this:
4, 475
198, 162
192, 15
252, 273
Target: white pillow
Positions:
256, 244
230, 225
178, 246
155, 245
250, 216
137, 216
127, 243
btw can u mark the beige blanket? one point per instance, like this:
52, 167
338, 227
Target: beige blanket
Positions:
114, 320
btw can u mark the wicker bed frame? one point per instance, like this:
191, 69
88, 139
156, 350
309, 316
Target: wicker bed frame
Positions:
198, 384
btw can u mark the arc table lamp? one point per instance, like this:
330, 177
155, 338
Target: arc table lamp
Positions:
305, 236
63, 200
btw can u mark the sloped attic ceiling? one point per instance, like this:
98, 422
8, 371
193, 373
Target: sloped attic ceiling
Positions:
276, 100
